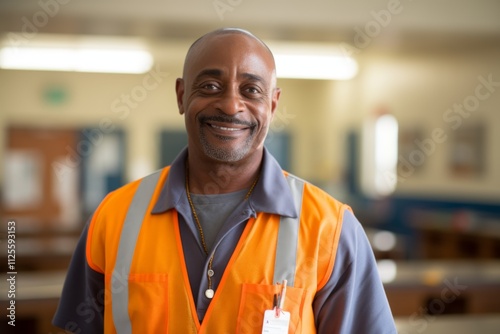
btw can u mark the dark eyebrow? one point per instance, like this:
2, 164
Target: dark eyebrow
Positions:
209, 73
213, 72
254, 77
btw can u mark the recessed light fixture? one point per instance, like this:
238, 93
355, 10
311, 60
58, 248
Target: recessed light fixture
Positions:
89, 54
313, 61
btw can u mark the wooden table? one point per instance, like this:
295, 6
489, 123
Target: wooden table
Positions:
443, 287
471, 324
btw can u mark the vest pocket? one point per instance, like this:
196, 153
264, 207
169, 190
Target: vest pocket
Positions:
257, 298
148, 300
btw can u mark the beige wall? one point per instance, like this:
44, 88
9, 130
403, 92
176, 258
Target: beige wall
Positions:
417, 89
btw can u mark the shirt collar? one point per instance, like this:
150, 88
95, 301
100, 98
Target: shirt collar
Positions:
271, 194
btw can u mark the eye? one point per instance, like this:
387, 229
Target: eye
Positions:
252, 90
209, 86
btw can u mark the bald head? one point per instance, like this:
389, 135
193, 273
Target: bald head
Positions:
201, 43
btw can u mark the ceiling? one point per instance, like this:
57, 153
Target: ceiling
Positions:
400, 25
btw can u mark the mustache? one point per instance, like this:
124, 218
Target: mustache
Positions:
225, 119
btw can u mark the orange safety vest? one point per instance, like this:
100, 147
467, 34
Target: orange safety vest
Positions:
147, 287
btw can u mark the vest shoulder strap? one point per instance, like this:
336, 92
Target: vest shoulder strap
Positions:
288, 236
128, 239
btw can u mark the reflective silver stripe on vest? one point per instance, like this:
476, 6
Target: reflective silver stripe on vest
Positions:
288, 237
126, 247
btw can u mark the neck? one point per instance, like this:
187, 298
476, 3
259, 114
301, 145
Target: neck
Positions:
214, 177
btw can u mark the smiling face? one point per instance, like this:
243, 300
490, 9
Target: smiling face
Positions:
228, 96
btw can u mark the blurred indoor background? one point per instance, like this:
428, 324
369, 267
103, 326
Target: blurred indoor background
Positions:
401, 120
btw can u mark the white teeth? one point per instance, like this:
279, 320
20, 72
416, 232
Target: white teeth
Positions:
224, 128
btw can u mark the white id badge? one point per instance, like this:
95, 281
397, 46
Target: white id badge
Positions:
275, 325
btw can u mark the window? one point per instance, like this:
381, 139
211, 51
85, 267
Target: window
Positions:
380, 156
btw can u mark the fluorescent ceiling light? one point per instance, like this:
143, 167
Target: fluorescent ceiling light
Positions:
313, 61
79, 55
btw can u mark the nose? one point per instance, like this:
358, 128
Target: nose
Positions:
231, 101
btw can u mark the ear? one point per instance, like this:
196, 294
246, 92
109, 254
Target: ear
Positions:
179, 91
275, 99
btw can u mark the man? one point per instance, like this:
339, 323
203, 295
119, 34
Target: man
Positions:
223, 240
